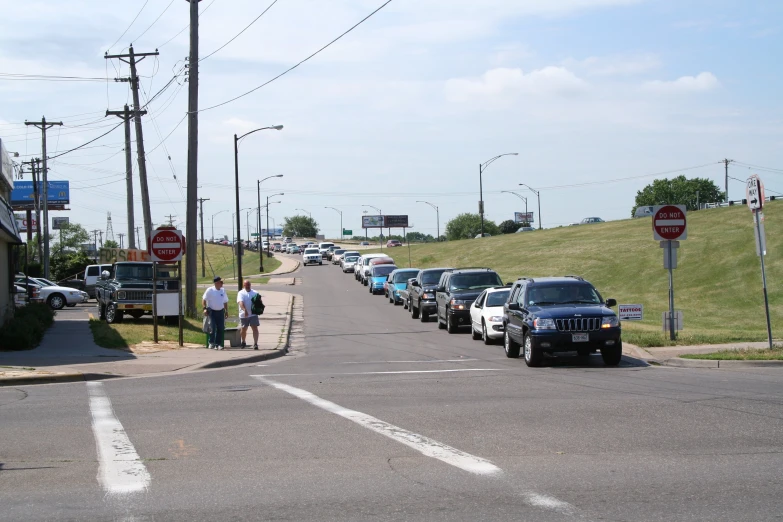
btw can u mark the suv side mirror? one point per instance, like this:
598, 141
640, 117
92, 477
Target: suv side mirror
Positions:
440, 289
513, 307
611, 302
105, 274
414, 283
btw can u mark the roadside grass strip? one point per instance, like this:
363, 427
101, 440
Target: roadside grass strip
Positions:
121, 470
746, 354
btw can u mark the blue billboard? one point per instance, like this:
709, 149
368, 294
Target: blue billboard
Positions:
22, 194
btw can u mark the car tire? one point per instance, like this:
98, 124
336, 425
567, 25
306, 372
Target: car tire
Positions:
613, 355
476, 335
112, 314
365, 282
533, 355
484, 335
450, 326
511, 347
415, 312
56, 301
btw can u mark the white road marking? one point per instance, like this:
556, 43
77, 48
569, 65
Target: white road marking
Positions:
387, 373
121, 469
420, 443
547, 502
425, 361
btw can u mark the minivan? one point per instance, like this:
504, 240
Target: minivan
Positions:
91, 276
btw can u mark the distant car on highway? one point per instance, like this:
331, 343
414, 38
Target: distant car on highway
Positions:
393, 243
398, 280
591, 220
525, 229
330, 251
486, 234
486, 314
364, 243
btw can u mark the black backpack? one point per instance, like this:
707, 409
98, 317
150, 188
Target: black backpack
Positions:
257, 305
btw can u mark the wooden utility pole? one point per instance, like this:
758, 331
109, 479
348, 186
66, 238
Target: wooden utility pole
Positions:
132, 58
126, 115
121, 236
726, 183
192, 189
44, 125
201, 216
37, 209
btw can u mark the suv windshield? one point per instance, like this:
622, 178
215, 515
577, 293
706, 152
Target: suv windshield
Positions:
497, 298
311, 250
383, 270
402, 277
134, 272
431, 277
476, 281
563, 293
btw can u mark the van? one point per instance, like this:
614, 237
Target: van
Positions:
323, 248
91, 276
362, 271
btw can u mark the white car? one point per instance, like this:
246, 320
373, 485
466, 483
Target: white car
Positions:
323, 248
46, 282
362, 268
349, 262
486, 314
312, 255
57, 297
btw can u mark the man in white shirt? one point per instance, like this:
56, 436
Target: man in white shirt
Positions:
246, 315
215, 302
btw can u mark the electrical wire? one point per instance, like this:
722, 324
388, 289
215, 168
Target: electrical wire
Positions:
167, 136
52, 78
129, 26
240, 32
184, 28
298, 64
154, 22
87, 143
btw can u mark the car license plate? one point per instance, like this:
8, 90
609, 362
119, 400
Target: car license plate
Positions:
580, 338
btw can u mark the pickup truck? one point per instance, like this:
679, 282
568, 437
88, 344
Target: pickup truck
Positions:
128, 291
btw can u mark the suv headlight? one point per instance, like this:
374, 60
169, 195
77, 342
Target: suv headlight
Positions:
544, 324
427, 296
457, 304
610, 322
120, 295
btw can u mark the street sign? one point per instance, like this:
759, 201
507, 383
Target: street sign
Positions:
254, 234
630, 312
347, 232
761, 236
58, 222
166, 245
667, 326
669, 223
754, 192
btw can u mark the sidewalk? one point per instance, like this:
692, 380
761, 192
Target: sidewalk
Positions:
68, 353
670, 355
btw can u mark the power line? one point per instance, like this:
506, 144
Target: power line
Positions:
129, 26
186, 27
53, 78
300, 63
87, 143
154, 22
240, 32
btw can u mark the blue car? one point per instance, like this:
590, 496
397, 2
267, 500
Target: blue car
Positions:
378, 276
397, 281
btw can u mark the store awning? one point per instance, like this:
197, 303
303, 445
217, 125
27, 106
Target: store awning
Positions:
9, 232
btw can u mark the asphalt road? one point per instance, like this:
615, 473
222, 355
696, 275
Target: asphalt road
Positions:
376, 416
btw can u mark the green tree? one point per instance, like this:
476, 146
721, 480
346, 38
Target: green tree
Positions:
300, 226
678, 191
509, 226
110, 243
67, 264
70, 238
467, 225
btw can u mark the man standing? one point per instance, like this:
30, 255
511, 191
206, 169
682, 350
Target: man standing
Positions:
215, 302
246, 315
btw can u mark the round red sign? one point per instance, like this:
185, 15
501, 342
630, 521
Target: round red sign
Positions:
669, 222
166, 245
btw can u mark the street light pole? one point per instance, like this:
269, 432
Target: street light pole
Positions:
538, 195
341, 222
269, 241
520, 197
482, 168
236, 190
213, 222
260, 254
306, 212
437, 215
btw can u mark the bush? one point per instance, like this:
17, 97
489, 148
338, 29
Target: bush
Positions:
26, 329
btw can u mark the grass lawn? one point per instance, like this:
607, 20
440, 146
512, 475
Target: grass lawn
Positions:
219, 260
750, 354
717, 283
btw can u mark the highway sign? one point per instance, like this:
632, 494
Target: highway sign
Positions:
347, 232
254, 234
669, 223
754, 192
166, 246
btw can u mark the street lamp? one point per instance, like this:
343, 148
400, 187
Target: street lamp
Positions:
247, 219
306, 212
260, 256
482, 168
267, 215
341, 222
520, 196
236, 191
437, 215
380, 213
538, 194
213, 222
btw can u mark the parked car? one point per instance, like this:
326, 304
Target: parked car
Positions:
289, 246
486, 314
421, 293
385, 260
337, 254
363, 266
287, 240
393, 243
590, 220
456, 292
379, 273
560, 314
323, 248
364, 243
92, 274
57, 297
348, 262
397, 281
312, 255
330, 251
525, 229
46, 282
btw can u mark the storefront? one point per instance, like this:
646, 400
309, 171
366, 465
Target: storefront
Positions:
9, 237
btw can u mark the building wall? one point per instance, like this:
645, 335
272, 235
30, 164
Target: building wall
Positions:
6, 303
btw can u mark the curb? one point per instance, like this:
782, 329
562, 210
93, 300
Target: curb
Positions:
296, 267
678, 362
57, 378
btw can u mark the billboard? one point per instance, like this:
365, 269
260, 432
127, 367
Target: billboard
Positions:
22, 196
524, 217
21, 222
58, 222
372, 222
395, 221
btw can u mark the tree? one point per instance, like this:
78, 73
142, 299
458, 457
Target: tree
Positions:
467, 225
70, 238
68, 264
300, 226
418, 237
678, 191
509, 226
110, 243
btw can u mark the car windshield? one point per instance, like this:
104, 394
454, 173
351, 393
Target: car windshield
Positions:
43, 282
339, 251
311, 251
402, 277
564, 293
475, 281
125, 272
351, 259
431, 277
497, 298
383, 270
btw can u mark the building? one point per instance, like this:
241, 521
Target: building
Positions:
9, 237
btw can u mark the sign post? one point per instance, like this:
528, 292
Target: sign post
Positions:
755, 197
166, 248
669, 226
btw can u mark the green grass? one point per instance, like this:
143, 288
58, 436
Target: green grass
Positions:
717, 284
750, 354
134, 331
220, 261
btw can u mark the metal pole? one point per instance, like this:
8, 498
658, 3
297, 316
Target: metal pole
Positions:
258, 237
238, 243
763, 275
233, 248
481, 201
45, 207
437, 216
672, 334
410, 263
268, 240
540, 224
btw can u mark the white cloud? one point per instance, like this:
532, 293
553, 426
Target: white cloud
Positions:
504, 83
617, 65
705, 81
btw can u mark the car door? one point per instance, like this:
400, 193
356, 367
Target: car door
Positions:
514, 312
442, 295
475, 310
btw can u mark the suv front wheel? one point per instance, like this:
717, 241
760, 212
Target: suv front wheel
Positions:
533, 355
511, 347
612, 356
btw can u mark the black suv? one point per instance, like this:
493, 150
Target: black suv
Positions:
560, 314
421, 293
457, 290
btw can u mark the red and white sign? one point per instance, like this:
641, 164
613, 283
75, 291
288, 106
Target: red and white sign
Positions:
630, 312
669, 223
754, 193
166, 246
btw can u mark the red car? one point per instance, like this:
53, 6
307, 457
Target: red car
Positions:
393, 243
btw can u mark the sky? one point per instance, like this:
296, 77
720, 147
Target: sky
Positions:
597, 97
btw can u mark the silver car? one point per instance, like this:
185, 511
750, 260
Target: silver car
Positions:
348, 262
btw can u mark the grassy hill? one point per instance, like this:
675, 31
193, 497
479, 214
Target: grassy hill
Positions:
219, 261
717, 284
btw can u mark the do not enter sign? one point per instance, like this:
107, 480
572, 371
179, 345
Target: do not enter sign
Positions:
669, 223
166, 245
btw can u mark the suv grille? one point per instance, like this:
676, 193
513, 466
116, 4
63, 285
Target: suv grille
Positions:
137, 295
579, 324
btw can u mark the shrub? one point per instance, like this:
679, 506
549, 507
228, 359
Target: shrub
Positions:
26, 329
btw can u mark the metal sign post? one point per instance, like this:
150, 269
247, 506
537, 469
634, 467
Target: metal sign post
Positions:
755, 197
669, 226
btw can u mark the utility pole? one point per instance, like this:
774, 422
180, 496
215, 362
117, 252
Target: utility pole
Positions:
121, 236
43, 125
132, 59
100, 235
201, 216
192, 179
726, 164
95, 242
125, 115
171, 219
37, 208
